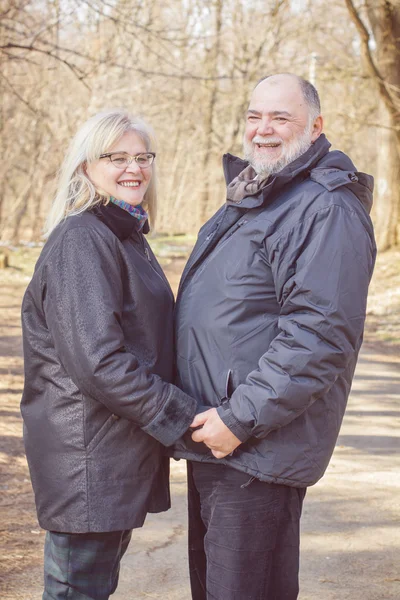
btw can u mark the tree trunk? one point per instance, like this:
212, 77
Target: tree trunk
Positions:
385, 22
387, 196
384, 17
206, 175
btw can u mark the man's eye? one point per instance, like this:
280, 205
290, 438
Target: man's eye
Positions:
252, 118
281, 119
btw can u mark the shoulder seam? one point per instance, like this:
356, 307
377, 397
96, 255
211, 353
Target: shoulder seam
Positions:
64, 234
319, 210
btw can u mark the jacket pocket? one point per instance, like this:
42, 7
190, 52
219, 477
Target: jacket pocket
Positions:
102, 432
250, 334
229, 386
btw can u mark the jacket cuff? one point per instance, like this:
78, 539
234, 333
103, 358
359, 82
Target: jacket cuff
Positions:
174, 418
237, 428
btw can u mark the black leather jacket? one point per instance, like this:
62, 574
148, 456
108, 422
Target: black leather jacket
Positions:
98, 349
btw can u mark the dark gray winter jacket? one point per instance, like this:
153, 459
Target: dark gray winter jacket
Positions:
97, 333
270, 315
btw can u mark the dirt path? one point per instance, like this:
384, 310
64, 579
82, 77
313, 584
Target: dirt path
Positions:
350, 531
351, 535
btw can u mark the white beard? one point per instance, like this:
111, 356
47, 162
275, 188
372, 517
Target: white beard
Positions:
290, 151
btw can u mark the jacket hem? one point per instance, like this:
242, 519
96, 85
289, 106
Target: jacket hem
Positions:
176, 455
120, 525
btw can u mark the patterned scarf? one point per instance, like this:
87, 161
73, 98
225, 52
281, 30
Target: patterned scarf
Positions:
247, 183
136, 211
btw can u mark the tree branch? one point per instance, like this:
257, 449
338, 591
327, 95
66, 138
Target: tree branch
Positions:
17, 94
79, 74
373, 69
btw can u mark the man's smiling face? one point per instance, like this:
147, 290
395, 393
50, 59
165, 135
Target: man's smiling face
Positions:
278, 125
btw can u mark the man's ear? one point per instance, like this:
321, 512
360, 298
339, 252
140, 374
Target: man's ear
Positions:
317, 128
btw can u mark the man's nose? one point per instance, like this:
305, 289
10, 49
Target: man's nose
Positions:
265, 127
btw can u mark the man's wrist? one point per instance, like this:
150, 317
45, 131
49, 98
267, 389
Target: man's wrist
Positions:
236, 427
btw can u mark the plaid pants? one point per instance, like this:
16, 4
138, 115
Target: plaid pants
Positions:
83, 566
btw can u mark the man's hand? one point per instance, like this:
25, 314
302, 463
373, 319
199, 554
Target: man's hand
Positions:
214, 433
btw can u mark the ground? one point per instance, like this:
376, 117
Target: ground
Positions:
350, 537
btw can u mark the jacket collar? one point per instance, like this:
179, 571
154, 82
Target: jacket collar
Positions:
121, 223
234, 165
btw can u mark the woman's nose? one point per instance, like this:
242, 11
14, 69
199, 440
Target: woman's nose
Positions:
133, 167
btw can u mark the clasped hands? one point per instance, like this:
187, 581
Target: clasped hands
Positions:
214, 433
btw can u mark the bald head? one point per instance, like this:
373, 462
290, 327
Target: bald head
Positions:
309, 92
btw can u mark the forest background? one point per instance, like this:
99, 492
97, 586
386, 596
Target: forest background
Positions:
188, 67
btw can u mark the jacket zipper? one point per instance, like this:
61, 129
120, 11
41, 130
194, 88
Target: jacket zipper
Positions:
219, 246
162, 277
190, 277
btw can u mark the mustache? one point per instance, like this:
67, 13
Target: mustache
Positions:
260, 139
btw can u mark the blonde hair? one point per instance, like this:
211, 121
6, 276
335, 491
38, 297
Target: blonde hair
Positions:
75, 192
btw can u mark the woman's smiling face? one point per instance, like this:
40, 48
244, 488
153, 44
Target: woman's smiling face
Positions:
129, 183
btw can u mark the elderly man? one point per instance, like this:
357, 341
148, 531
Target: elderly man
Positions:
270, 317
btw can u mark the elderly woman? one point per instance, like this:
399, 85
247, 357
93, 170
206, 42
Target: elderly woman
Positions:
97, 331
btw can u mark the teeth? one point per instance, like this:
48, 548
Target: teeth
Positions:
129, 183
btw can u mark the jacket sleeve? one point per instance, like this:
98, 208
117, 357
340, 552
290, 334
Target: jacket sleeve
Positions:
83, 300
322, 268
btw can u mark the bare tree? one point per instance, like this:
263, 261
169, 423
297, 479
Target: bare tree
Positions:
186, 66
383, 67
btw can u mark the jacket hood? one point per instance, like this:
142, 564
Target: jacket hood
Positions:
335, 169
330, 169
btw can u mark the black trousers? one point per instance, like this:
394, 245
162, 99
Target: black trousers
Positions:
243, 535
83, 566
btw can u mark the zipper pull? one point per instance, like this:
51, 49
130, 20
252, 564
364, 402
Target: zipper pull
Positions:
211, 234
236, 227
147, 253
249, 482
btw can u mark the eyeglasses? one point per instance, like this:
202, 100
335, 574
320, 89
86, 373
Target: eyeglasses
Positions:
121, 159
